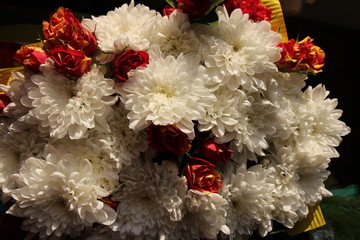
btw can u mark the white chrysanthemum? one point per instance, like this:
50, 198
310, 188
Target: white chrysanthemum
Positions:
71, 108
56, 196
128, 26
298, 182
223, 115
204, 217
15, 148
168, 91
105, 169
241, 48
122, 143
317, 128
250, 201
173, 34
255, 124
151, 199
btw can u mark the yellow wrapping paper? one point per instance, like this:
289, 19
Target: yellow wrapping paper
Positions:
314, 219
278, 21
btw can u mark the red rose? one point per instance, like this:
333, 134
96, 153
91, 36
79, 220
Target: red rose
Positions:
30, 57
61, 25
85, 41
216, 152
70, 61
194, 8
301, 56
257, 12
127, 61
168, 138
202, 176
167, 11
4, 101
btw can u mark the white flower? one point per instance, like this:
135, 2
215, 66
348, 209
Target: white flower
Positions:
168, 91
255, 124
240, 49
223, 115
56, 197
204, 217
173, 34
122, 143
317, 128
15, 148
151, 199
298, 182
105, 169
71, 108
250, 201
126, 27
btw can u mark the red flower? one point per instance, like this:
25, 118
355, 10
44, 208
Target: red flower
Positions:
301, 56
216, 152
61, 25
257, 12
194, 8
85, 41
4, 101
127, 61
202, 176
30, 57
70, 61
168, 138
167, 11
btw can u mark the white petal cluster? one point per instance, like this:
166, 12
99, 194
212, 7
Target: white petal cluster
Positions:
250, 200
174, 35
204, 216
240, 49
128, 26
70, 108
168, 91
151, 198
56, 196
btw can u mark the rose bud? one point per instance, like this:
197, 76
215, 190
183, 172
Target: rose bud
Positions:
167, 11
85, 41
194, 8
301, 56
30, 57
127, 61
4, 101
168, 138
256, 10
216, 152
61, 25
70, 61
202, 176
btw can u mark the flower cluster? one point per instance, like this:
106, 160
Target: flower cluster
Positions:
143, 125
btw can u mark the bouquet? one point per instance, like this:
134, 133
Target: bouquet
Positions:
194, 123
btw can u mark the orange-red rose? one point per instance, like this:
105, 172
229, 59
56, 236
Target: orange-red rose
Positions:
257, 12
167, 11
127, 61
194, 8
168, 139
301, 56
70, 61
216, 152
61, 25
202, 175
30, 57
85, 41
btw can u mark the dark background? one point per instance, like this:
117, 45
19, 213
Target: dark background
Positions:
334, 25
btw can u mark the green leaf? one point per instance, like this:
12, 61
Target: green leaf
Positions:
171, 3
213, 5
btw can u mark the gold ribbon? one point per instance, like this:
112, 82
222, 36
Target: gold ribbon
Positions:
277, 21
